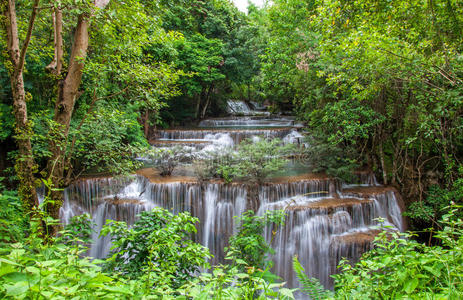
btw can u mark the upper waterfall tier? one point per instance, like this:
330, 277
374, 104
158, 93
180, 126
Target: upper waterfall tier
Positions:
238, 107
237, 135
246, 122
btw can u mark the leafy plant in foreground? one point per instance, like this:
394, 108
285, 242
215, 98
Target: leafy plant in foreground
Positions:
400, 267
310, 286
229, 282
249, 244
12, 220
248, 275
32, 269
158, 246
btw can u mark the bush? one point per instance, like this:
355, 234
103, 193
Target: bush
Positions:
108, 140
248, 275
158, 246
431, 209
256, 160
13, 222
31, 269
249, 244
336, 160
400, 267
208, 166
163, 264
167, 159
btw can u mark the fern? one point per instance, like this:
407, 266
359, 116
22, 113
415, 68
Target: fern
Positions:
311, 286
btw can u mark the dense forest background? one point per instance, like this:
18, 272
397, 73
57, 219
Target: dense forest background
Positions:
379, 84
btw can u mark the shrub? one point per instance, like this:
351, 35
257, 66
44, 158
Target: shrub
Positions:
158, 246
108, 140
432, 208
249, 244
31, 269
248, 276
400, 267
208, 166
167, 159
256, 160
336, 160
13, 222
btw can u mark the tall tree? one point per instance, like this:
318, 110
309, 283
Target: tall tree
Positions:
25, 165
67, 95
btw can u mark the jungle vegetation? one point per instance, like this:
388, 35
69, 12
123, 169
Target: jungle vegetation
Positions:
84, 85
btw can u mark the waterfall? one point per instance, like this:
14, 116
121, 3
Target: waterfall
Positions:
326, 219
214, 204
237, 135
316, 230
244, 122
323, 221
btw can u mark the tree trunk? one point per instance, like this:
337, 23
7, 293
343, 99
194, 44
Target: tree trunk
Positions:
383, 164
198, 104
67, 96
252, 199
146, 123
25, 164
68, 89
208, 100
57, 64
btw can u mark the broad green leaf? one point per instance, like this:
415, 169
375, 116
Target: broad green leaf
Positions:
411, 285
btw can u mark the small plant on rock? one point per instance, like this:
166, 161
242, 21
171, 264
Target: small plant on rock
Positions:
167, 159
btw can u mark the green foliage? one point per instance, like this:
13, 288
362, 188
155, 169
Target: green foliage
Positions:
219, 51
400, 267
248, 276
31, 269
389, 87
214, 164
310, 286
109, 139
248, 247
167, 159
155, 258
333, 159
13, 222
78, 232
158, 245
255, 160
346, 121
433, 207
251, 160
6, 121
230, 283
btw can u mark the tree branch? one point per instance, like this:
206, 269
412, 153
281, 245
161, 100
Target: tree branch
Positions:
22, 56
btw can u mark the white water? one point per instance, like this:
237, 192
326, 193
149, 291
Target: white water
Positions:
243, 122
318, 235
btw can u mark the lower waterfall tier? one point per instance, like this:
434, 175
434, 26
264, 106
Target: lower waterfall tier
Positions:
323, 221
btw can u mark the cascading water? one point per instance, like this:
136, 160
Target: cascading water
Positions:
237, 107
247, 122
314, 229
326, 219
108, 199
237, 135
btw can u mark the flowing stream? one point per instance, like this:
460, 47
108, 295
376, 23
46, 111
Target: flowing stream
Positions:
326, 219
